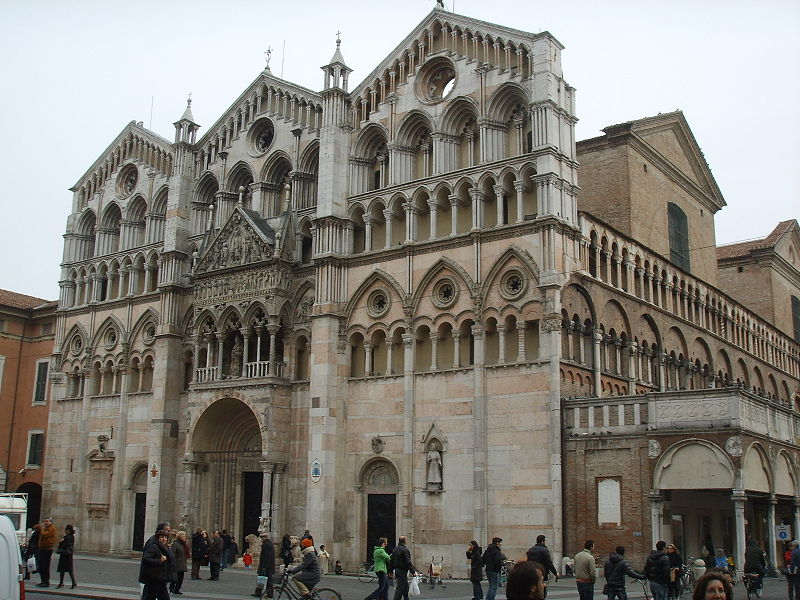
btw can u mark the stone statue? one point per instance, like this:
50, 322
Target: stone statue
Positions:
433, 459
235, 368
254, 545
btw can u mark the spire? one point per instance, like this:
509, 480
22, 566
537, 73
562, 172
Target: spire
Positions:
187, 114
336, 71
185, 127
337, 56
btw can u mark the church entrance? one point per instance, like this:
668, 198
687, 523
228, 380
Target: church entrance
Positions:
225, 489
380, 486
139, 488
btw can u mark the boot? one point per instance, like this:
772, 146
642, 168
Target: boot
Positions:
259, 591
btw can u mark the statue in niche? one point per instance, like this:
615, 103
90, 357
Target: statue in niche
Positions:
433, 459
235, 368
377, 445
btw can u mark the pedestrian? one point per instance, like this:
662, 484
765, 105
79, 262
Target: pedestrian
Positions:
713, 586
226, 549
526, 581
380, 560
754, 561
585, 573
163, 526
199, 551
247, 559
474, 555
794, 568
323, 556
615, 570
308, 570
307, 536
65, 551
493, 559
539, 553
401, 567
233, 552
215, 552
157, 568
656, 568
675, 571
180, 548
32, 549
266, 566
286, 550
47, 543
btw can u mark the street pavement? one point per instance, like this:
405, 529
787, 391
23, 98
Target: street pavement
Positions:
107, 578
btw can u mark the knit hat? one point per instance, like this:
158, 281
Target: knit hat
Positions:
306, 543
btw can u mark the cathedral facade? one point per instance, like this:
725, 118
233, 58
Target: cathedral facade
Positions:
390, 309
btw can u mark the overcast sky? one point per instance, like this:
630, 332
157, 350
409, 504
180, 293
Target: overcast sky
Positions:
73, 74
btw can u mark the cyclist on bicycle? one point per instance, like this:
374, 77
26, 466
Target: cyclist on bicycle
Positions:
754, 561
309, 571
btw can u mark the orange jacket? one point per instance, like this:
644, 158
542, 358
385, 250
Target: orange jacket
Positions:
47, 538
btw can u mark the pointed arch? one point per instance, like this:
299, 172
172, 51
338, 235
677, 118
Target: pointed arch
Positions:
444, 263
508, 98
414, 126
99, 333
694, 464
372, 139
277, 167
148, 316
375, 276
513, 252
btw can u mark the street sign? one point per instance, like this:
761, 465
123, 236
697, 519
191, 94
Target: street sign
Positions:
783, 533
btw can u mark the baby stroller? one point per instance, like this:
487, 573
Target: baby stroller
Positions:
435, 573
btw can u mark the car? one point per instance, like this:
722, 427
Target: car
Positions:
12, 584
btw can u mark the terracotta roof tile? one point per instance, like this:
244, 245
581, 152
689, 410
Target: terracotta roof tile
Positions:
745, 248
15, 300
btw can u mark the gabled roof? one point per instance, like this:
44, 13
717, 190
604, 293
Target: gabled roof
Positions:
244, 239
667, 141
17, 300
742, 249
135, 129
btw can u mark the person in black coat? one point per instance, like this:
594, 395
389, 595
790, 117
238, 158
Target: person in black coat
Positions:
266, 566
286, 551
32, 549
65, 550
657, 570
539, 553
199, 551
675, 571
474, 554
493, 559
616, 568
401, 565
157, 568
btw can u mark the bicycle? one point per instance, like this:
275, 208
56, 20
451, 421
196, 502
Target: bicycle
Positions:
752, 583
366, 572
688, 580
289, 592
504, 568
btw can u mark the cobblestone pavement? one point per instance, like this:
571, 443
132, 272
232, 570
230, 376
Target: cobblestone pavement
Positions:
102, 578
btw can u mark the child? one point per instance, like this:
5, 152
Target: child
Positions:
247, 559
337, 567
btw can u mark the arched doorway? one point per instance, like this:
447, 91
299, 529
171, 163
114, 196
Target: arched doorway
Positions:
380, 483
139, 491
229, 480
34, 491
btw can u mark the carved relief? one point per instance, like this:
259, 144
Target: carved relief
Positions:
733, 445
238, 243
653, 448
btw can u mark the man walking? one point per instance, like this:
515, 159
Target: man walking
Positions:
540, 554
493, 561
47, 542
215, 551
266, 566
585, 574
402, 566
474, 555
616, 568
657, 571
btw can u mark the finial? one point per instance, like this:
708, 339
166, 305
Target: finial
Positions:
440, 3
189, 101
338, 39
268, 54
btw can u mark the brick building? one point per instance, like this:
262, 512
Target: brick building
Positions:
391, 310
27, 327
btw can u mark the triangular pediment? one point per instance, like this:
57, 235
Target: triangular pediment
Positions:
245, 239
671, 138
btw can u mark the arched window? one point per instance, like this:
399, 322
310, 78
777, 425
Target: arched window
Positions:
678, 236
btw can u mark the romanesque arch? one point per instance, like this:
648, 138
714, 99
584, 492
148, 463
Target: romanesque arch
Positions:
694, 464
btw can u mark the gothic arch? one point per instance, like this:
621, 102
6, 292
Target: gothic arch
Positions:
694, 464
276, 168
785, 476
457, 116
206, 188
614, 316
240, 174
414, 125
757, 473
110, 321
369, 142
309, 159
503, 101
375, 276
584, 298
149, 315
228, 423
444, 263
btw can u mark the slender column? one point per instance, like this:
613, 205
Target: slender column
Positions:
388, 215
411, 216
738, 497
771, 540
368, 359
453, 214
501, 345
245, 331
434, 208
477, 208
259, 331
389, 355
662, 383
367, 232
597, 337
456, 349
500, 195
434, 343
521, 357
220, 348
273, 330
519, 188
656, 516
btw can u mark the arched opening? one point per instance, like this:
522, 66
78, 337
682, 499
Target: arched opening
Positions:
34, 491
380, 483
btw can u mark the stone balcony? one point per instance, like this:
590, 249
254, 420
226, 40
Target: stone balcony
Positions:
682, 410
254, 372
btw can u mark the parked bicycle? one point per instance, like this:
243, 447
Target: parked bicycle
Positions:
366, 572
288, 591
752, 583
504, 569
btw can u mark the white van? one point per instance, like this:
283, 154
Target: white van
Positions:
15, 507
12, 586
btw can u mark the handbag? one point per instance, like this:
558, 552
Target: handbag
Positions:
32, 568
413, 588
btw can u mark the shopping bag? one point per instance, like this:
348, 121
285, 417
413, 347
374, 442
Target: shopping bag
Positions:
261, 581
32, 565
413, 587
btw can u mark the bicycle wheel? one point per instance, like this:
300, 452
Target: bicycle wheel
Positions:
365, 574
326, 594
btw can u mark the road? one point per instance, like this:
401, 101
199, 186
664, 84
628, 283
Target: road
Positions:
106, 578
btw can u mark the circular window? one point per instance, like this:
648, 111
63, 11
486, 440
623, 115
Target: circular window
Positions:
149, 334
261, 136
77, 345
512, 285
445, 293
436, 80
110, 339
378, 303
126, 181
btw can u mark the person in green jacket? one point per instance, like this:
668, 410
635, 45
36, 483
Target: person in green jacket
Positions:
381, 558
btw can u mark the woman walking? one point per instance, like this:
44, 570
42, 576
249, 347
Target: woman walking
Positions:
180, 548
65, 550
381, 559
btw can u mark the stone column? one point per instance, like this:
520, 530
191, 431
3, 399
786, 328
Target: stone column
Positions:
434, 343
597, 337
389, 356
245, 331
519, 188
771, 540
267, 469
521, 342
501, 344
656, 516
389, 216
456, 349
220, 349
273, 367
500, 195
477, 208
453, 214
662, 385
367, 232
411, 217
739, 498
434, 208
368, 359
479, 441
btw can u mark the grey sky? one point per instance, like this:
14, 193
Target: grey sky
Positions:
75, 73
